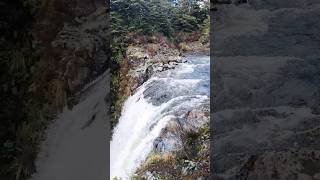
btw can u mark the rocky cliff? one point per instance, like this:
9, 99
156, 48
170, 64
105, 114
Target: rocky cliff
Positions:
50, 50
266, 91
74, 40
144, 57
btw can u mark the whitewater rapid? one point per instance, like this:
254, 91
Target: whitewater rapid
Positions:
163, 97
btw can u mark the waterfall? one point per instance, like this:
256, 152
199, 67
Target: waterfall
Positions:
163, 97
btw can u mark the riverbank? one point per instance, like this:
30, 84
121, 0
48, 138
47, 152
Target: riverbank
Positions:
145, 57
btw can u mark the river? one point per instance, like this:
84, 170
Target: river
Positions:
166, 95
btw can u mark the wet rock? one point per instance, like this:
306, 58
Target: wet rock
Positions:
169, 138
149, 71
189, 167
149, 176
169, 66
300, 164
160, 69
144, 61
174, 135
173, 126
197, 114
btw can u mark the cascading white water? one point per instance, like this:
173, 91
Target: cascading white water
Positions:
147, 112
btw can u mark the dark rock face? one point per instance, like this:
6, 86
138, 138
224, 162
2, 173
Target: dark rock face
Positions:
175, 134
266, 91
275, 4
142, 64
290, 33
75, 35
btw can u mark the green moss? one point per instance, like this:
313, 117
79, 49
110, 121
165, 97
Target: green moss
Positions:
205, 130
171, 165
205, 31
118, 95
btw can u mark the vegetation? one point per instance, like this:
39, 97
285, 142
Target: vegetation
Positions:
177, 20
32, 91
25, 105
191, 162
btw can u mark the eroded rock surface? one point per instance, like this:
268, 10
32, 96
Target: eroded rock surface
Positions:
144, 61
266, 90
74, 38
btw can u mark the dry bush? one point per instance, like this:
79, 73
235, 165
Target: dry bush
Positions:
152, 49
192, 37
162, 163
184, 47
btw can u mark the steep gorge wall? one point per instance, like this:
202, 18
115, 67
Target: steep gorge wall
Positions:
49, 51
74, 40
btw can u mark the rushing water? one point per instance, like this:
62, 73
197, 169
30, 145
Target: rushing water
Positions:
166, 95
